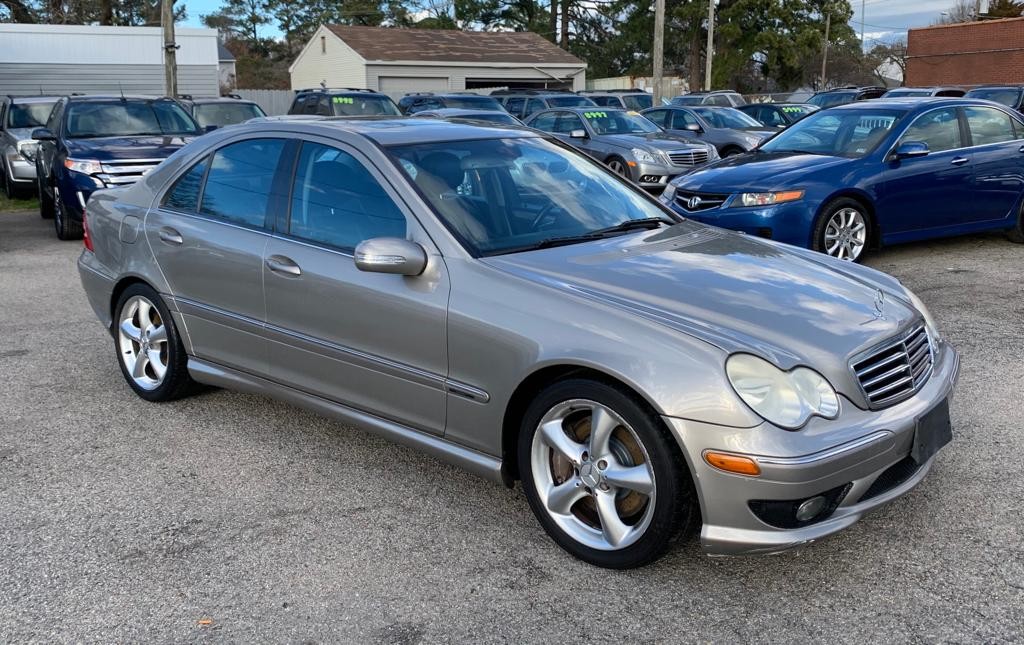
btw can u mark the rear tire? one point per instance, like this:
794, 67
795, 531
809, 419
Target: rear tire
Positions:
1016, 234
586, 503
67, 229
149, 350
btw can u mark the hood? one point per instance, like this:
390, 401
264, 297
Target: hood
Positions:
658, 140
756, 171
731, 290
117, 148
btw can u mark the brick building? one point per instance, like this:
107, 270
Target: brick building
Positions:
972, 53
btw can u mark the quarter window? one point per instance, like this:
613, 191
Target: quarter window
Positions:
939, 129
988, 125
336, 201
238, 186
184, 195
658, 116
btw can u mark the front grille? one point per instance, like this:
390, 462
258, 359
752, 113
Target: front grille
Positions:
891, 477
124, 172
688, 157
694, 202
897, 370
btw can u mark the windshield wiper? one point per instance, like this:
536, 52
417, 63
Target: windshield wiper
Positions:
601, 233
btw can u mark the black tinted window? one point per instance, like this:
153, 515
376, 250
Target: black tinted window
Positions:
336, 201
89, 119
658, 116
239, 183
184, 195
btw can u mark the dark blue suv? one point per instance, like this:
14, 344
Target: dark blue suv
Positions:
868, 174
94, 142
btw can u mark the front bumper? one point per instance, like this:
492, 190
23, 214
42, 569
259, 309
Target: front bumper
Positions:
867, 459
651, 175
790, 222
75, 188
20, 169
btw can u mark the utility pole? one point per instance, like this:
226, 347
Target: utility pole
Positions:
659, 48
824, 55
711, 44
863, 45
170, 48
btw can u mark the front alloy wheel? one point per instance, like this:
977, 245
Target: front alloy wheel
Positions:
602, 474
843, 230
618, 166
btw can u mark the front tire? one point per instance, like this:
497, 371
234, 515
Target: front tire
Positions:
843, 230
1016, 234
603, 475
149, 349
618, 166
67, 228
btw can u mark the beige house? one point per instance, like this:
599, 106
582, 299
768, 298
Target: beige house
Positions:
397, 61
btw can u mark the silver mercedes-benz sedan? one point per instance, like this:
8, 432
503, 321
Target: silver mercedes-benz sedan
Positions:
501, 301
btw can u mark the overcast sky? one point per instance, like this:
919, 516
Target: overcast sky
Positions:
882, 18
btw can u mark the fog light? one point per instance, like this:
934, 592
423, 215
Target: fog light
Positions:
810, 509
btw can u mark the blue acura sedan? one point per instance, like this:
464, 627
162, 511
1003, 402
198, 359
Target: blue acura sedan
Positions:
867, 174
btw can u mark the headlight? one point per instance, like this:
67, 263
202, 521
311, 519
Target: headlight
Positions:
87, 166
712, 152
668, 194
933, 327
28, 149
752, 141
787, 399
645, 156
767, 199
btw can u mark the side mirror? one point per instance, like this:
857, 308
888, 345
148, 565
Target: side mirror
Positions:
390, 255
911, 150
578, 134
693, 127
42, 134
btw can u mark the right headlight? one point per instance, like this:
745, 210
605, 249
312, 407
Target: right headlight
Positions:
647, 156
786, 398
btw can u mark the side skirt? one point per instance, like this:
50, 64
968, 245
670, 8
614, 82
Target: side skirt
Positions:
475, 462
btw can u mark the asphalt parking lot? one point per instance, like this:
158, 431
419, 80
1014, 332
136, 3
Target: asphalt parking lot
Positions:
233, 517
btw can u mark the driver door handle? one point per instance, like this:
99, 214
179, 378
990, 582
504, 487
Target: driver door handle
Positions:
959, 161
170, 236
281, 264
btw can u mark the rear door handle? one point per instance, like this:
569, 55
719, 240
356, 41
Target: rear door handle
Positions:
281, 264
959, 161
170, 236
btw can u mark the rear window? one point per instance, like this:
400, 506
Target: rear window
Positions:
638, 101
90, 119
1008, 96
830, 99
221, 114
569, 101
473, 103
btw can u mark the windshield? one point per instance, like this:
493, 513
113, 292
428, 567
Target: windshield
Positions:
1008, 96
727, 118
473, 103
131, 118
842, 133
491, 117
507, 195
638, 101
29, 115
364, 105
221, 114
895, 94
828, 99
569, 101
619, 122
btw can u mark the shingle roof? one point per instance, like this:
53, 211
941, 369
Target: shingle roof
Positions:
451, 45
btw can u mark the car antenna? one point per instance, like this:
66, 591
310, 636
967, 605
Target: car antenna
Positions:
121, 89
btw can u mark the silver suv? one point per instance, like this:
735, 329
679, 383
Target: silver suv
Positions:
19, 115
496, 299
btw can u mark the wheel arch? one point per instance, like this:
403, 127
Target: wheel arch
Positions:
119, 288
532, 385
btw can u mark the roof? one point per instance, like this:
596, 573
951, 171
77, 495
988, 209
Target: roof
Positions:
961, 25
223, 53
908, 103
394, 130
452, 45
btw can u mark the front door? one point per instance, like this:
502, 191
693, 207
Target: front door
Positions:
933, 191
209, 234
372, 341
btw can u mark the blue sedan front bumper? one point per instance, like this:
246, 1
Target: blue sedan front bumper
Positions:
791, 222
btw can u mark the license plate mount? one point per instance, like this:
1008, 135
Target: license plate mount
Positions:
934, 430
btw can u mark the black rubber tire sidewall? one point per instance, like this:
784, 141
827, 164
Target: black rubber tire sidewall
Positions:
676, 508
1016, 234
177, 382
827, 211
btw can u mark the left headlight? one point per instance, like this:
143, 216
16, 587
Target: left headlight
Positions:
646, 156
768, 199
28, 149
87, 166
787, 399
929, 321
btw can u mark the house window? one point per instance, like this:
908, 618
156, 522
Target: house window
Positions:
323, 44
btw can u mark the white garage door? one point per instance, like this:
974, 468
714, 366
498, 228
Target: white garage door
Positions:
405, 84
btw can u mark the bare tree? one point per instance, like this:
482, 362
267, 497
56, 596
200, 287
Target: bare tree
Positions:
961, 11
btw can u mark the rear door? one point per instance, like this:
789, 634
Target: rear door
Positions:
997, 147
373, 341
208, 235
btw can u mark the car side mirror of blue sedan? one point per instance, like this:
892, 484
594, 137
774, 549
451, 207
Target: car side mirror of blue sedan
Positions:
911, 150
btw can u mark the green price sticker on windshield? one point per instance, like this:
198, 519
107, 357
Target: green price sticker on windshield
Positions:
347, 100
792, 109
596, 115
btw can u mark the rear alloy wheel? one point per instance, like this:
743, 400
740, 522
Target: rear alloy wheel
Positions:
67, 228
150, 352
602, 476
843, 231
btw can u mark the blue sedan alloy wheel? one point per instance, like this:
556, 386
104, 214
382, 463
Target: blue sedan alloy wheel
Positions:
843, 231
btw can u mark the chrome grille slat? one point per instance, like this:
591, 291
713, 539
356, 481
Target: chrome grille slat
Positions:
124, 172
688, 157
895, 370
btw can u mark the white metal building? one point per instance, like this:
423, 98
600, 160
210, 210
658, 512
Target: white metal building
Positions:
61, 59
406, 60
